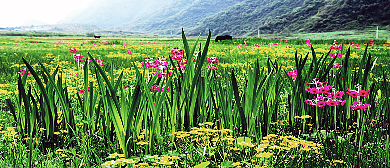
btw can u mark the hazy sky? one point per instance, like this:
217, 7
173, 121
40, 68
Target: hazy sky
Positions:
17, 12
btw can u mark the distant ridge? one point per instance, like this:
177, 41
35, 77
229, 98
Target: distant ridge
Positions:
234, 17
331, 15
171, 17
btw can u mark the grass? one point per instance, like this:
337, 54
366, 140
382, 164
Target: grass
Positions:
251, 111
347, 34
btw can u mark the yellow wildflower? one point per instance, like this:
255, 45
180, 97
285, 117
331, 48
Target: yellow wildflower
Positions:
128, 161
236, 164
64, 131
264, 155
142, 143
154, 157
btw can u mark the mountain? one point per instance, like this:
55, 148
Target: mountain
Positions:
245, 17
177, 14
74, 28
330, 15
108, 14
234, 17
149, 16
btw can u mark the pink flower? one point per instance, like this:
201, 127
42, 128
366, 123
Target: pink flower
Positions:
336, 65
81, 91
325, 88
213, 60
174, 57
293, 73
364, 93
366, 106
88, 60
335, 47
352, 93
23, 71
78, 58
157, 88
308, 89
213, 67
314, 91
177, 51
72, 50
332, 102
309, 102
99, 60
359, 105
338, 94
332, 55
321, 103
183, 63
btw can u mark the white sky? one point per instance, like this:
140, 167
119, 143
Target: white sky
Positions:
16, 12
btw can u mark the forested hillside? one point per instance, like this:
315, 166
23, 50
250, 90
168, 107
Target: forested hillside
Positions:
234, 17
330, 15
246, 17
177, 14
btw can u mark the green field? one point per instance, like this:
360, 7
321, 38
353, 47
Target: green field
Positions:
301, 100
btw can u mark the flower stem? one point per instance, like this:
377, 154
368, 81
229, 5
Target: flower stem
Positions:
334, 118
317, 122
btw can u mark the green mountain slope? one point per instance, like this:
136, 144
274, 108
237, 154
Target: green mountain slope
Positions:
350, 14
234, 17
177, 14
330, 15
245, 17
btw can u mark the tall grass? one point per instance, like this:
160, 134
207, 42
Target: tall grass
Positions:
141, 122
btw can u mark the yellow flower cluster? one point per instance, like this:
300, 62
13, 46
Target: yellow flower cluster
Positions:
303, 117
120, 158
203, 133
285, 144
165, 160
9, 132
